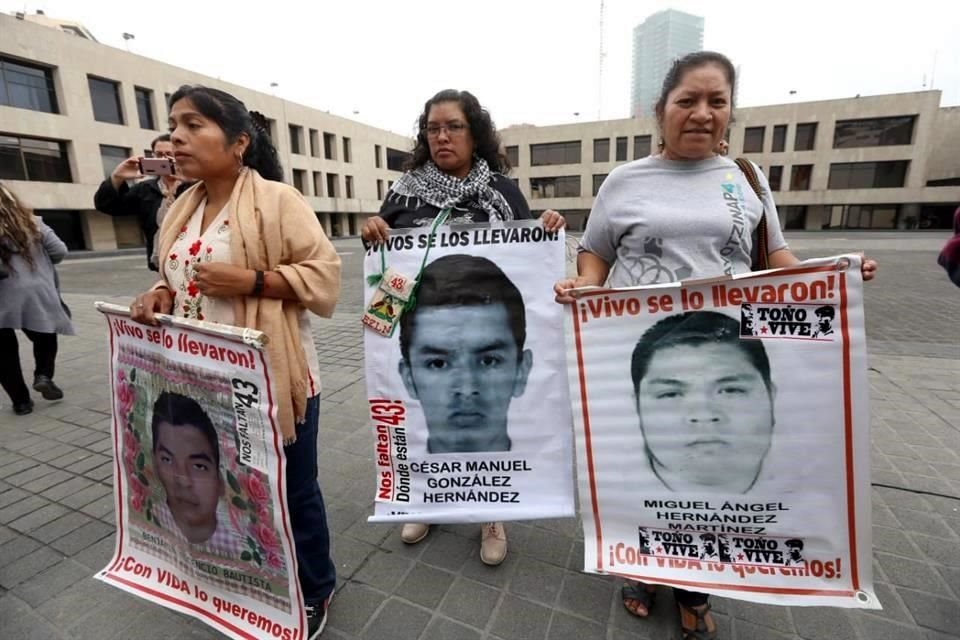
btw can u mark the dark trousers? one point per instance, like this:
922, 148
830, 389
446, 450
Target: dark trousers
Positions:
689, 598
308, 516
11, 375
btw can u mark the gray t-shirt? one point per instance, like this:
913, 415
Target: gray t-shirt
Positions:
657, 220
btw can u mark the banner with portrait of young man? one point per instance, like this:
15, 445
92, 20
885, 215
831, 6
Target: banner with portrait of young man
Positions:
723, 434
202, 522
466, 375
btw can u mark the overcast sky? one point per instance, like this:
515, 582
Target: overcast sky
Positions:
533, 61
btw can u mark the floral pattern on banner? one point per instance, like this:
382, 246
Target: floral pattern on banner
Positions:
249, 500
135, 465
189, 299
251, 512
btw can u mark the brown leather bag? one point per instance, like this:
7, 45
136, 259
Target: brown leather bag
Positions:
759, 252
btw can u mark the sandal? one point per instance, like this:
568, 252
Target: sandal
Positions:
701, 629
641, 593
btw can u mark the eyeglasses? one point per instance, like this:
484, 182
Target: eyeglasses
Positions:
453, 129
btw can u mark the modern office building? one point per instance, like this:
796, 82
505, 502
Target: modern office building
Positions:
71, 109
657, 42
877, 162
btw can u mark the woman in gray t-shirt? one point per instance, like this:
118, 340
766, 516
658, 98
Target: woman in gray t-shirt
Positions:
686, 213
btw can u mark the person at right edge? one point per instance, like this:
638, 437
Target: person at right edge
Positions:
457, 162
664, 218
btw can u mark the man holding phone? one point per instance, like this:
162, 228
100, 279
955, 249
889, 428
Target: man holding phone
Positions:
148, 199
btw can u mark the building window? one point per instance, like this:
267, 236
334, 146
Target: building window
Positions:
349, 185
300, 180
513, 155
111, 156
105, 95
347, 151
144, 107
774, 177
795, 217
271, 128
26, 86
33, 159
377, 161
873, 132
559, 187
333, 185
166, 102
314, 143
753, 139
622, 149
601, 150
555, 153
67, 224
396, 159
805, 137
800, 177
296, 138
876, 216
379, 189
779, 138
318, 184
329, 146
597, 181
641, 147
868, 175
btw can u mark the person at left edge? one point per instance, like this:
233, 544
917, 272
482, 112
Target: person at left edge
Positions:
148, 199
242, 248
457, 163
29, 301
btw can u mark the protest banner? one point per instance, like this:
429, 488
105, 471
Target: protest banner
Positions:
202, 526
723, 434
466, 382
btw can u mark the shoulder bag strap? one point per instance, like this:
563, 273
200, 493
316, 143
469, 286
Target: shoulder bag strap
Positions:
759, 252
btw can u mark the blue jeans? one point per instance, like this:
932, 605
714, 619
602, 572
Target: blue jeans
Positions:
308, 516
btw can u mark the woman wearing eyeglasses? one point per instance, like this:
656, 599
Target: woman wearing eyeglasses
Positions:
456, 163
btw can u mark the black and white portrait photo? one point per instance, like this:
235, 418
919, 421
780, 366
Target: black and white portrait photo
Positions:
463, 353
705, 403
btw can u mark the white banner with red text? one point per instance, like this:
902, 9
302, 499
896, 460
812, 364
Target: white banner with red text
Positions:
202, 526
466, 377
723, 434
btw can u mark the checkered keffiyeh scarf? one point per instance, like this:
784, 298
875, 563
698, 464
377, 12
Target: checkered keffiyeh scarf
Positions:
431, 185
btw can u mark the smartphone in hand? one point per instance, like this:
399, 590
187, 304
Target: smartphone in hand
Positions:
157, 166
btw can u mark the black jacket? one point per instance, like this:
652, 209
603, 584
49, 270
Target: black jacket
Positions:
141, 200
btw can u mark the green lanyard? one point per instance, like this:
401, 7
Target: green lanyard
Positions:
374, 279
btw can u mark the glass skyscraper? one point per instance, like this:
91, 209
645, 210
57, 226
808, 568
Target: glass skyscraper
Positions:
657, 42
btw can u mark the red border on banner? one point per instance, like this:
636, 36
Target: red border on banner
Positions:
848, 446
848, 435
281, 484
589, 444
786, 591
182, 603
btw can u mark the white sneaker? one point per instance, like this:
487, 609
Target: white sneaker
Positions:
414, 532
493, 543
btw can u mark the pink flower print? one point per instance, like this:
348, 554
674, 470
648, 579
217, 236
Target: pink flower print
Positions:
138, 496
256, 491
266, 536
195, 248
126, 396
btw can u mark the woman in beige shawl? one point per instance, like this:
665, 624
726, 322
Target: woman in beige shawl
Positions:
242, 248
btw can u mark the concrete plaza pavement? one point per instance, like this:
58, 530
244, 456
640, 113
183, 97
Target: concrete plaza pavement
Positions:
57, 517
